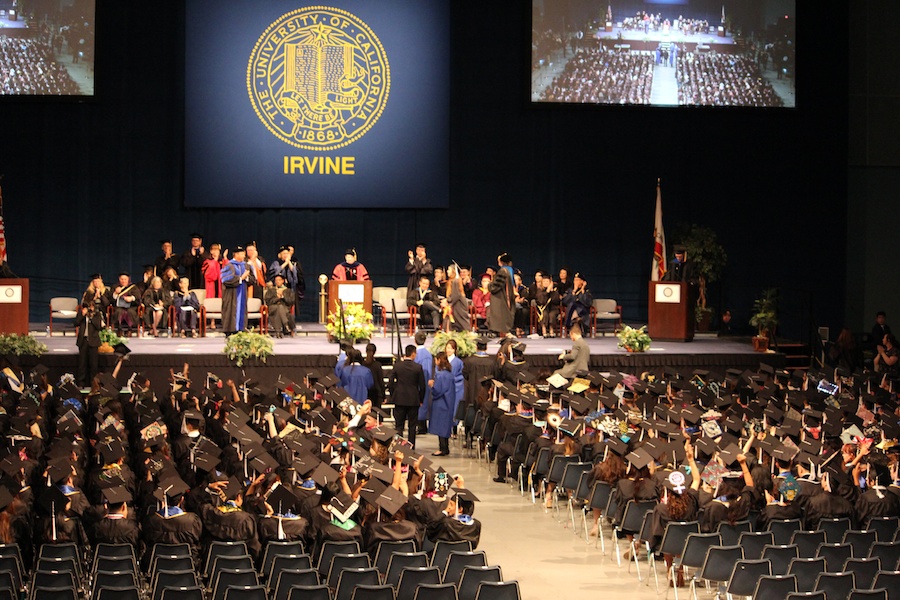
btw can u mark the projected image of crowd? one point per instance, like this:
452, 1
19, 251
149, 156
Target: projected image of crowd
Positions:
723, 80
27, 67
603, 76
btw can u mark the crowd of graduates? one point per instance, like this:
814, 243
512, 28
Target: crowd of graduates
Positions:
759, 446
210, 461
723, 80
27, 67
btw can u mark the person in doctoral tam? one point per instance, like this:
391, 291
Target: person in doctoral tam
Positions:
351, 269
236, 277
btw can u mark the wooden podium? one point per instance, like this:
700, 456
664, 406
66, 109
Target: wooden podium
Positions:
350, 292
670, 315
14, 306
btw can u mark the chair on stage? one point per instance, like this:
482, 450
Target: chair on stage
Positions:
403, 313
63, 308
259, 312
210, 309
606, 311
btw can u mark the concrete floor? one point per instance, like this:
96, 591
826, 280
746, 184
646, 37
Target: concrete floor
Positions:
548, 560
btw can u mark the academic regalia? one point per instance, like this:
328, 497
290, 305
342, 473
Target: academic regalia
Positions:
162, 263
290, 274
114, 530
212, 273
192, 262
151, 299
716, 512
443, 403
777, 512
481, 300
125, 314
292, 528
357, 379
578, 304
228, 524
389, 531
458, 319
449, 529
88, 341
376, 392
459, 382
186, 319
324, 527
355, 271
426, 360
475, 368
501, 312
234, 296
511, 370
870, 504
827, 506
417, 269
176, 527
258, 272
660, 516
280, 317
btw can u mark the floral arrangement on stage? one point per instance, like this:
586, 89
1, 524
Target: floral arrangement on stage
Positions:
244, 345
465, 342
357, 323
634, 340
21, 345
109, 340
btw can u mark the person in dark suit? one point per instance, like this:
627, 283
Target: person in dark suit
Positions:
88, 322
419, 266
880, 328
426, 302
407, 387
501, 312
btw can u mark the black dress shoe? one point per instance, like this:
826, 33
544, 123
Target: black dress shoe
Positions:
500, 479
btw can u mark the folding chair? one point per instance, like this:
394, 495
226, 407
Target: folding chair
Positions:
834, 529
413, 577
632, 520
285, 548
598, 500
864, 570
743, 578
753, 543
835, 555
442, 550
693, 554
349, 578
505, 590
457, 561
731, 532
807, 542
247, 592
281, 562
718, 565
860, 540
290, 579
329, 549
386, 548
402, 560
806, 570
673, 540
310, 592
774, 586
781, 557
339, 562
172, 579
219, 549
373, 592
835, 585
885, 528
783, 529
888, 552
182, 593
857, 594
473, 577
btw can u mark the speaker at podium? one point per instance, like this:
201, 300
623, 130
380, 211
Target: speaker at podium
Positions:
670, 315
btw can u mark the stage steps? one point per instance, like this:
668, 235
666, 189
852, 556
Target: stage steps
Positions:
798, 356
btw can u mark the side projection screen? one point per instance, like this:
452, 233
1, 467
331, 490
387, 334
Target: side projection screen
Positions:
290, 104
722, 53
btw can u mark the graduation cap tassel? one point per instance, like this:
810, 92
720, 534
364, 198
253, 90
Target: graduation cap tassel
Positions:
281, 535
53, 520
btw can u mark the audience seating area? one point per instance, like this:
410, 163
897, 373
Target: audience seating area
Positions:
448, 570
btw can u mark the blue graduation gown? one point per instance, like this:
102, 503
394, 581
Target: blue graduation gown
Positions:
424, 358
459, 382
443, 396
356, 379
234, 296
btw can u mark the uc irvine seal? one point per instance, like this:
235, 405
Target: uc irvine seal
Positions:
318, 78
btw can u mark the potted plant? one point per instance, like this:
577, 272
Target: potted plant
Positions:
465, 342
356, 326
109, 340
245, 345
707, 257
765, 318
20, 345
634, 340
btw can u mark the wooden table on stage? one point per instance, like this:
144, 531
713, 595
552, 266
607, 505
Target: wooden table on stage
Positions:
670, 312
14, 306
350, 292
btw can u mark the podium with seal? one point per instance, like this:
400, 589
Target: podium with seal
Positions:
14, 306
670, 315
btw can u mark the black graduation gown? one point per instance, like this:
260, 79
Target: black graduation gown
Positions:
776, 512
475, 368
322, 529
389, 531
827, 506
870, 505
230, 526
449, 529
116, 531
184, 528
294, 528
716, 512
661, 517
501, 312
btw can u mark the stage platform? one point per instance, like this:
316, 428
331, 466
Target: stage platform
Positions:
638, 41
310, 350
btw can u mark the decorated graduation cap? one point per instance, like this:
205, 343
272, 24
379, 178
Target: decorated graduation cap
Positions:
281, 499
342, 507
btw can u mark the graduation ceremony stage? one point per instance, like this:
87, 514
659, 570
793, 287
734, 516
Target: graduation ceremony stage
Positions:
310, 350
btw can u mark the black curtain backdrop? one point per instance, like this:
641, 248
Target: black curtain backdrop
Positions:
93, 186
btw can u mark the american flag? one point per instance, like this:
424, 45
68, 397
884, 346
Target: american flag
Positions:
658, 268
2, 230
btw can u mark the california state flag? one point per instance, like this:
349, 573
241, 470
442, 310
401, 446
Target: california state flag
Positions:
658, 269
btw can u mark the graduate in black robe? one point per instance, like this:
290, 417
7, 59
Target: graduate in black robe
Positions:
236, 277
501, 312
192, 261
456, 522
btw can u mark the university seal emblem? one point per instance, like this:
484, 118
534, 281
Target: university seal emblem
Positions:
318, 78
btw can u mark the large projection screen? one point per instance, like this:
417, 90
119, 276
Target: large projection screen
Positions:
302, 105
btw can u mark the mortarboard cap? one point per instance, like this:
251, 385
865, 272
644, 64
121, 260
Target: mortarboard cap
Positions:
464, 495
116, 494
342, 506
281, 499
616, 445
53, 499
640, 458
323, 474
